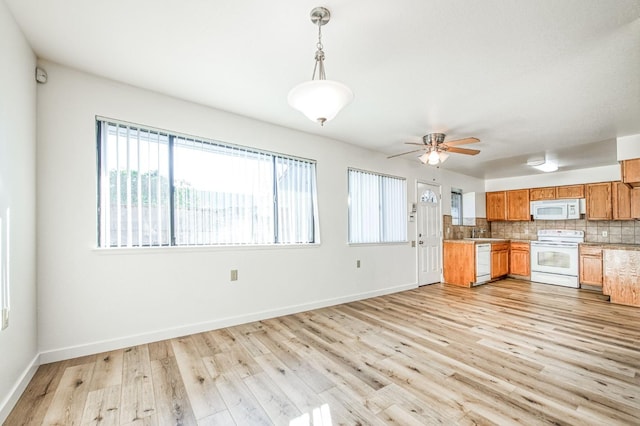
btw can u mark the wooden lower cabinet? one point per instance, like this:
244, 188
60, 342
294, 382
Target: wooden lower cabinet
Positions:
459, 263
520, 259
621, 278
591, 265
499, 259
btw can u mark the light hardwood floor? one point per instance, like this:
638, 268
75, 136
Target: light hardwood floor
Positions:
509, 352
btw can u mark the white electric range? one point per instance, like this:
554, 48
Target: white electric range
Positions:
554, 257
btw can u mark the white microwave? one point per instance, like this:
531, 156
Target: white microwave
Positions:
557, 209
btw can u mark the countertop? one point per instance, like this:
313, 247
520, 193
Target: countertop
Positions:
614, 246
479, 240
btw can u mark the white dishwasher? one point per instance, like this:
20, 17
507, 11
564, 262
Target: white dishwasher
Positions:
483, 263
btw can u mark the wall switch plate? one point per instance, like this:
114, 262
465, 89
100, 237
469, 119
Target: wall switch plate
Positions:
605, 233
234, 275
5, 318
357, 263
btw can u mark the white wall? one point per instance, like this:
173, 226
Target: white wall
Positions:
570, 177
18, 343
93, 299
628, 147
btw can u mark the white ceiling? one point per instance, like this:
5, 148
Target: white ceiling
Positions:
526, 77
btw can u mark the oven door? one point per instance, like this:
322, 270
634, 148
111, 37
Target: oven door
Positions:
554, 258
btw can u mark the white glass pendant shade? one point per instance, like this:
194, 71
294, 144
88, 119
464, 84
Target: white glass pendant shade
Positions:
433, 158
320, 100
443, 156
424, 158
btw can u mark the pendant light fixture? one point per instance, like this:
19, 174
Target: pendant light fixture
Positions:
320, 99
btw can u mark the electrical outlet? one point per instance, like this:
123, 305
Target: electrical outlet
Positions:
357, 263
5, 318
605, 233
234, 275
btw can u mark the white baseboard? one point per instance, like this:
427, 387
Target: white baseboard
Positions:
154, 336
10, 401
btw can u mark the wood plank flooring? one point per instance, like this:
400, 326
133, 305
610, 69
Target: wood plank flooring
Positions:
509, 352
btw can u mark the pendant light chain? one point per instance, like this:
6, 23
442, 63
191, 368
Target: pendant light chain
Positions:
319, 66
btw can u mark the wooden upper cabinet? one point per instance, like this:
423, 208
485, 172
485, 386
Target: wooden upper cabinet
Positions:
536, 194
508, 205
635, 203
598, 197
570, 191
631, 171
496, 205
620, 201
518, 207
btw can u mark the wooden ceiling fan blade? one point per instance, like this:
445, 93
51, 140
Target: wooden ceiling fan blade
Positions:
405, 153
416, 143
462, 141
464, 151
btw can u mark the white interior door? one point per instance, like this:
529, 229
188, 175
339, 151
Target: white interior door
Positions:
429, 234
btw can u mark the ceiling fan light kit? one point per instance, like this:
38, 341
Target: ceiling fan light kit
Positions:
437, 151
320, 99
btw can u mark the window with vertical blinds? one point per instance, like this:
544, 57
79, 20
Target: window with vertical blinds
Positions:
162, 189
377, 208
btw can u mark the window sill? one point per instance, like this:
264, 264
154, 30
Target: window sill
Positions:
199, 249
399, 243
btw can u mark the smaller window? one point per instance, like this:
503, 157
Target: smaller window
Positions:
377, 208
428, 196
456, 206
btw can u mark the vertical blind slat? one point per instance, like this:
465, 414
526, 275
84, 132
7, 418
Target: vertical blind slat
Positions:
377, 208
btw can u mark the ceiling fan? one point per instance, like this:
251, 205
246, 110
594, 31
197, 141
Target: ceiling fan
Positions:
437, 150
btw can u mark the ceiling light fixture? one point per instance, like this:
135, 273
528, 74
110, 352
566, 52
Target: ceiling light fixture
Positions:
320, 100
434, 156
543, 165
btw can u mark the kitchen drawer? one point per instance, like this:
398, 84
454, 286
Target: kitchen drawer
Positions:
499, 246
590, 250
520, 246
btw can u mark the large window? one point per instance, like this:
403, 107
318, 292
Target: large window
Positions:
377, 208
160, 189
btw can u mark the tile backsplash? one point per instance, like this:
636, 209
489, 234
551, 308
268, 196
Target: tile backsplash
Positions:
617, 231
458, 232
